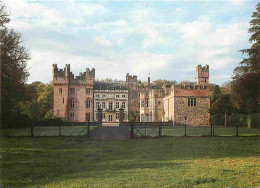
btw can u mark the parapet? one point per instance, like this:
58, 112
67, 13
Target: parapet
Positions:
66, 73
203, 68
130, 78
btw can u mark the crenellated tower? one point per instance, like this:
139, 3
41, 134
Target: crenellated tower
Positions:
133, 95
73, 96
202, 74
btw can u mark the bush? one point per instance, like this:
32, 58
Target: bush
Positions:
237, 119
48, 122
16, 120
254, 120
217, 120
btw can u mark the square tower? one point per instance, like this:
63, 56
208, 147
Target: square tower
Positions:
202, 74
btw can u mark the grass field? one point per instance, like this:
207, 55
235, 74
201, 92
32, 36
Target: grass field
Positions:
157, 162
154, 131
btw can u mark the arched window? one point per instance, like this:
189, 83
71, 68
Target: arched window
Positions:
72, 103
88, 103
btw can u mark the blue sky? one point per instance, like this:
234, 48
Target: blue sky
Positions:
164, 38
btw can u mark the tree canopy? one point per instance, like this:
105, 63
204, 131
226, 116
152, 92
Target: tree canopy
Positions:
14, 57
246, 84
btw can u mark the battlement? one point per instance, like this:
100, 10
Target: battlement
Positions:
130, 78
66, 73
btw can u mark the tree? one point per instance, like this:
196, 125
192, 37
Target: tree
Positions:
246, 83
40, 105
159, 83
215, 93
14, 57
226, 87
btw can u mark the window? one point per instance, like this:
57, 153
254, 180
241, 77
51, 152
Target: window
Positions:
58, 111
63, 100
88, 103
192, 102
88, 91
124, 115
72, 116
87, 116
110, 106
123, 96
103, 95
97, 95
132, 96
123, 105
117, 115
72, 103
142, 102
97, 105
104, 115
117, 104
147, 102
103, 105
72, 91
60, 91
96, 116
117, 96
159, 102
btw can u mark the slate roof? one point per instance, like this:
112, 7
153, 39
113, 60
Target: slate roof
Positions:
110, 86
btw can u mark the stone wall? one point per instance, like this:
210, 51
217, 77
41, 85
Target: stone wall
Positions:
64, 79
191, 115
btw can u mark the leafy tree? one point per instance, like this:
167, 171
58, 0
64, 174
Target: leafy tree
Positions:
14, 74
215, 93
41, 104
159, 83
226, 87
246, 86
45, 98
222, 105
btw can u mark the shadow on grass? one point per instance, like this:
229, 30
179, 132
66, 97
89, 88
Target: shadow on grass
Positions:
40, 161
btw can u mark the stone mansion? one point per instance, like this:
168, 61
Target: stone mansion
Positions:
76, 99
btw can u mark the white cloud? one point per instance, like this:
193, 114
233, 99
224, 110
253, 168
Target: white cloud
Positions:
29, 15
144, 63
103, 41
118, 23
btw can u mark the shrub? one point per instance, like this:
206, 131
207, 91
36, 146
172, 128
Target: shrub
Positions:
217, 120
254, 120
237, 119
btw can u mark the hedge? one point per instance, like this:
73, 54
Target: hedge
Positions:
242, 120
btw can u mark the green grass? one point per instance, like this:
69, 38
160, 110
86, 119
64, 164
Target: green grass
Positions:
50, 131
150, 131
158, 162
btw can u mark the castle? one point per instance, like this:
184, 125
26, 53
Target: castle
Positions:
77, 99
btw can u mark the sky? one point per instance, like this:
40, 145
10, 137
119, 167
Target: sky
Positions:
166, 39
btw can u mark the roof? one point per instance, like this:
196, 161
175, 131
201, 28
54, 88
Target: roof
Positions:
110, 86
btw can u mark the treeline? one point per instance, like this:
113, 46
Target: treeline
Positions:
240, 98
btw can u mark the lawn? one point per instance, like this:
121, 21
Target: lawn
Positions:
149, 131
156, 162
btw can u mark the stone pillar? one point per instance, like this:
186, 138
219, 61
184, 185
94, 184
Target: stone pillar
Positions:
121, 116
100, 116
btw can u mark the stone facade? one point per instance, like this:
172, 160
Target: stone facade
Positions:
151, 108
73, 97
110, 97
77, 99
181, 104
188, 105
